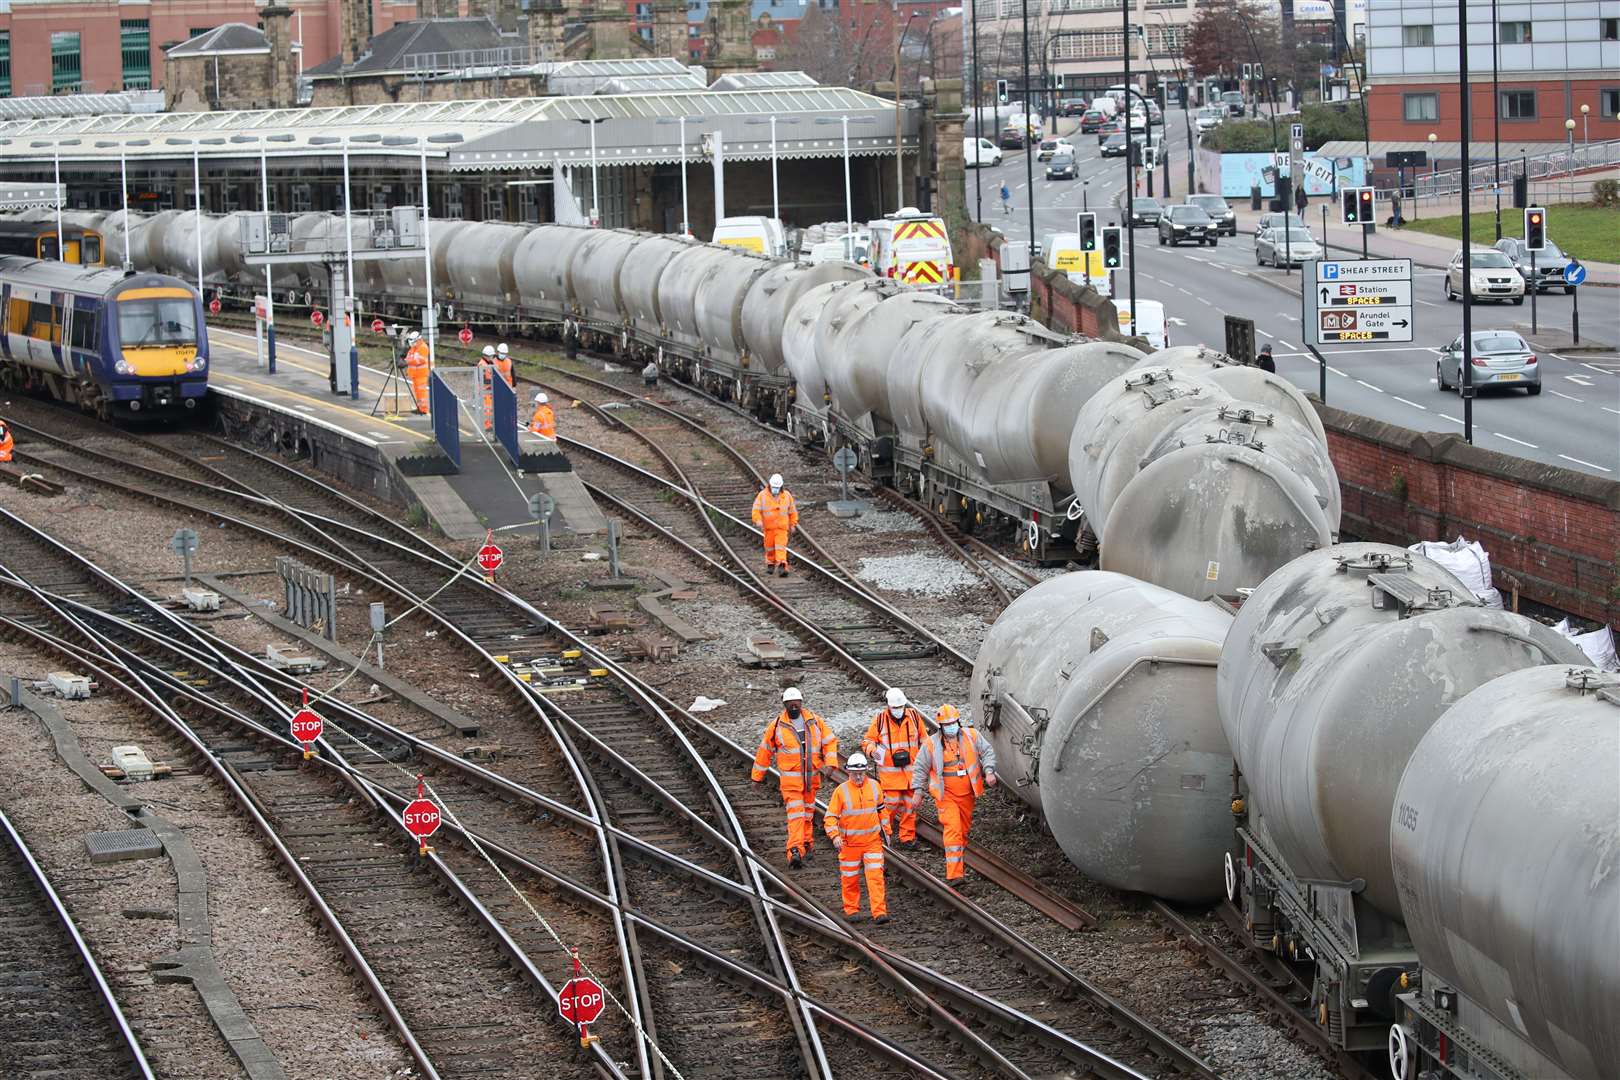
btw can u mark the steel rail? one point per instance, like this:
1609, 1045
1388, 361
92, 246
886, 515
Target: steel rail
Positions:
86, 957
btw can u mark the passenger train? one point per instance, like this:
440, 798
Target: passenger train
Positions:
35, 236
115, 344
1234, 707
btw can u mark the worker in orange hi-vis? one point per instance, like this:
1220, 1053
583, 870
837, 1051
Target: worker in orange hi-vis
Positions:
800, 745
776, 514
856, 827
503, 362
7, 443
544, 422
892, 741
486, 383
417, 366
955, 765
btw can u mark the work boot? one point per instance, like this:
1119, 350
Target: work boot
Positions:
909, 846
880, 919
794, 860
781, 568
809, 855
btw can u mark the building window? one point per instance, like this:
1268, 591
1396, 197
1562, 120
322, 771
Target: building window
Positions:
135, 40
303, 199
643, 12
1518, 104
1611, 29
1610, 102
197, 31
1417, 107
65, 68
1422, 34
495, 204
1515, 33
5, 63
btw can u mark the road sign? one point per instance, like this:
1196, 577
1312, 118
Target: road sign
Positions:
490, 557
465, 336
377, 326
1574, 274
183, 542
581, 1001
213, 306
316, 317
541, 505
1357, 300
421, 817
845, 460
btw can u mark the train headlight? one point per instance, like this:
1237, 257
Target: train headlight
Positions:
124, 367
197, 363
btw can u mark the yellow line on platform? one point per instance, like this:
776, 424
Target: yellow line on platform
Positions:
249, 386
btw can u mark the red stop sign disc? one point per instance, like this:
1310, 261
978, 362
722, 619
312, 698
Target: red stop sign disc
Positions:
490, 558
317, 318
465, 337
421, 818
376, 326
307, 725
581, 1001
213, 306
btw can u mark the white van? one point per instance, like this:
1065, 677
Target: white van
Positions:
978, 152
913, 248
1061, 251
852, 248
1105, 105
1152, 324
761, 235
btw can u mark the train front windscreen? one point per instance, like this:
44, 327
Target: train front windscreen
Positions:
159, 321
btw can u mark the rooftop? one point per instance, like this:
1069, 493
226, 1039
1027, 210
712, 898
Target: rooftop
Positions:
232, 39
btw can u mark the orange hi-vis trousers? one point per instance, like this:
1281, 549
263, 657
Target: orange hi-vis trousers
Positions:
955, 819
776, 547
801, 812
898, 815
855, 859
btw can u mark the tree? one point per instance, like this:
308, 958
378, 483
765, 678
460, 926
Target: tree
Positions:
838, 55
1224, 37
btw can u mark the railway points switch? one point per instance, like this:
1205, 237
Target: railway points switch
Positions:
200, 599
68, 685
133, 763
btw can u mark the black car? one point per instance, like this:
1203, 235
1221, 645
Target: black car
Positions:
1061, 167
1114, 145
1145, 211
1222, 214
1186, 222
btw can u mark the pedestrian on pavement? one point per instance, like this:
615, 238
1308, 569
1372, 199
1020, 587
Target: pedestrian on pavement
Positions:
486, 384
7, 443
544, 421
955, 765
798, 770
1006, 198
892, 741
1264, 360
776, 514
857, 831
503, 362
417, 366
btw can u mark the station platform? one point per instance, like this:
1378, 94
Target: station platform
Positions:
370, 446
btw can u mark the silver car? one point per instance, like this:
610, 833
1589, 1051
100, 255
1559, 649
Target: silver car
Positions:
1494, 277
1290, 249
1550, 263
1266, 222
1501, 358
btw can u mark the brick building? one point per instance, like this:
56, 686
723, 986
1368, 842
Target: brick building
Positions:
235, 66
1552, 58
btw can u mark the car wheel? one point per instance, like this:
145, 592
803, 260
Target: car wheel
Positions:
1440, 378
1450, 295
1257, 260
1517, 301
1212, 241
1533, 389
1161, 239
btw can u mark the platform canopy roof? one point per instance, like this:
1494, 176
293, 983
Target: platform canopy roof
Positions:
31, 196
483, 134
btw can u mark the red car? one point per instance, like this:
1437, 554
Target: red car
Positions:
1091, 120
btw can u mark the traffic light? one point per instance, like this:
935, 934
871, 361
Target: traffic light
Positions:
1359, 206
1059, 78
1001, 91
1088, 231
1351, 213
1535, 228
1134, 152
1248, 72
1111, 234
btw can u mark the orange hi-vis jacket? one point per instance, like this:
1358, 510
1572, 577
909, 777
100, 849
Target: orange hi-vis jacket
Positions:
7, 443
962, 774
852, 814
417, 356
775, 512
781, 742
503, 364
884, 736
544, 421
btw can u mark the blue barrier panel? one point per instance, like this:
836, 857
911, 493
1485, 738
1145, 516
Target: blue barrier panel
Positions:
1240, 172
445, 409
506, 423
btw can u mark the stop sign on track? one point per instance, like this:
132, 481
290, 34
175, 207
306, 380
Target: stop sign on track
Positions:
581, 1001
465, 337
307, 725
317, 318
376, 326
490, 557
421, 818
213, 306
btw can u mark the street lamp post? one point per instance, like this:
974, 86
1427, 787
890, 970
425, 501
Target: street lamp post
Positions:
196, 181
1125, 210
56, 158
123, 185
1569, 128
350, 310
264, 205
776, 198
430, 318
845, 121
899, 158
1586, 129
1496, 125
1466, 129
596, 203
1186, 117
686, 217
978, 120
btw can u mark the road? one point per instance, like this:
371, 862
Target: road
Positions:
1575, 422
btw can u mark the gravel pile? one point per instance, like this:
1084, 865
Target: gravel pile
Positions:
931, 575
885, 521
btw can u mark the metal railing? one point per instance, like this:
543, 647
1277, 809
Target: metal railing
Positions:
469, 63
1563, 162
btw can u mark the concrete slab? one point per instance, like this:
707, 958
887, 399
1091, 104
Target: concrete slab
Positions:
106, 847
363, 441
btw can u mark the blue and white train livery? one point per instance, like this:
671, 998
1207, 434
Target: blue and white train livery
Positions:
110, 342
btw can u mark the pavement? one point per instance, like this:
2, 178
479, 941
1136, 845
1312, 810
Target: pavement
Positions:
1574, 422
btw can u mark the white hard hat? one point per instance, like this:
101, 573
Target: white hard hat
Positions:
792, 694
776, 480
540, 397
896, 698
489, 350
857, 760
413, 336
501, 348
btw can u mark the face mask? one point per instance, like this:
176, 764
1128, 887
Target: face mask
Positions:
950, 729
793, 709
897, 711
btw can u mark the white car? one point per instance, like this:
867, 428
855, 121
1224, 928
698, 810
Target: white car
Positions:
1285, 249
1494, 277
1210, 117
1051, 148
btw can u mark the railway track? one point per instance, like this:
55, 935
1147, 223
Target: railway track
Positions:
58, 1014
